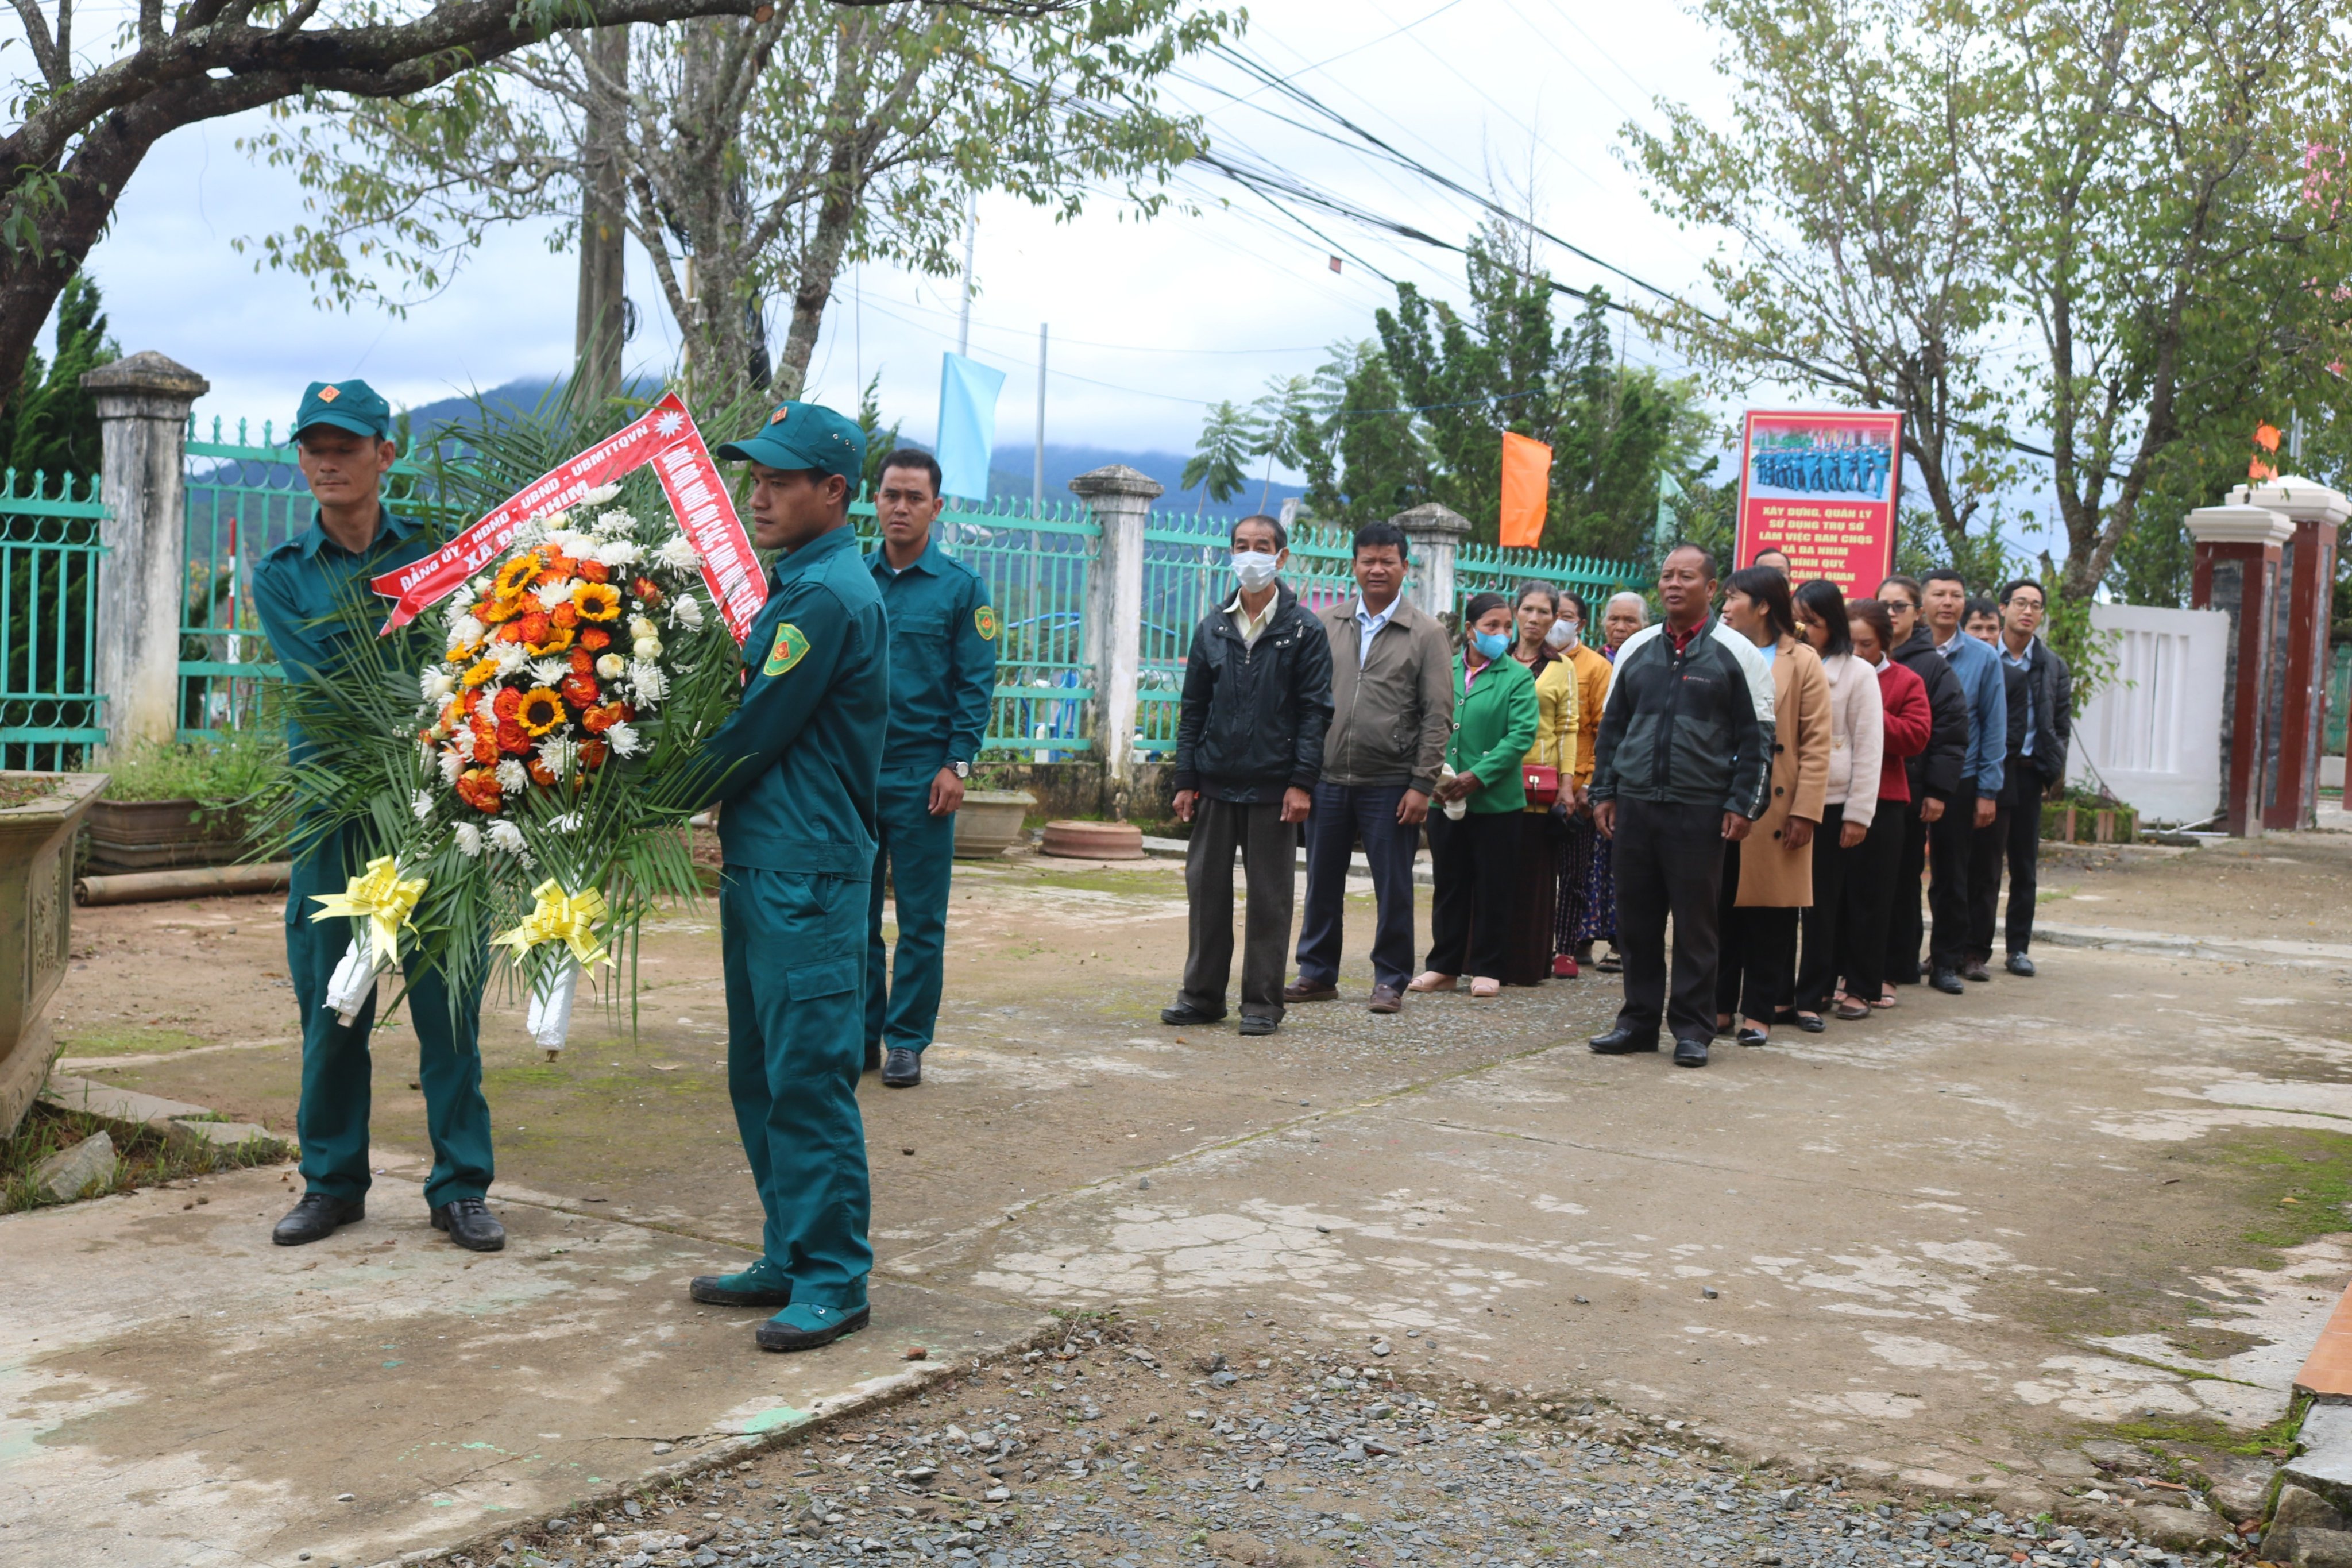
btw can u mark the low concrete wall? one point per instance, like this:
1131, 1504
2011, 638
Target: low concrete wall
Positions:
1079, 789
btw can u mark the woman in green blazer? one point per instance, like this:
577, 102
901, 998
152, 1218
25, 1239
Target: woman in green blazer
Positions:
1495, 720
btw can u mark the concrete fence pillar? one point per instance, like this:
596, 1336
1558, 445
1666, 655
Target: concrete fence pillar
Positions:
1436, 535
1121, 500
143, 411
2307, 586
2238, 573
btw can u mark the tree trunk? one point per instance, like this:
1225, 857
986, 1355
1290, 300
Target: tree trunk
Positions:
598, 331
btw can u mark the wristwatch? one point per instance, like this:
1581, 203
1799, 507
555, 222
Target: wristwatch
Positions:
961, 770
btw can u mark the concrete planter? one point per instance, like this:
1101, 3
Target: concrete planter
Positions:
988, 822
162, 834
1094, 840
36, 927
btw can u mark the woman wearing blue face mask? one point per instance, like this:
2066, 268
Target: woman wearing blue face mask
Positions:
1471, 858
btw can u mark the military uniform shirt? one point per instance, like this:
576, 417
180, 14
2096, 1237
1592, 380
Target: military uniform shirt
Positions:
312, 596
942, 661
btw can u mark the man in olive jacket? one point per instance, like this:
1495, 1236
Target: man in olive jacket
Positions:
1249, 747
1392, 713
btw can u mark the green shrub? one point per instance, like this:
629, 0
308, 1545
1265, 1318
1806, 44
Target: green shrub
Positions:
243, 767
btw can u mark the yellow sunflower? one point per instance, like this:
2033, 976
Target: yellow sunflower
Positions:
515, 575
597, 600
486, 670
465, 655
540, 711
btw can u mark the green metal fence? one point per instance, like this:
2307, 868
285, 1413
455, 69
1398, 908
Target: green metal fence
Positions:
51, 711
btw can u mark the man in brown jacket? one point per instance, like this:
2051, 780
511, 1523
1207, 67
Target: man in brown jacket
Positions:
1393, 711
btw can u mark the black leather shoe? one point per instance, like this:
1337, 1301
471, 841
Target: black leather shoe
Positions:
2020, 965
1691, 1053
317, 1217
780, 1336
470, 1225
873, 1055
1258, 1025
1947, 982
1812, 1023
1180, 1014
1749, 1035
902, 1069
1624, 1041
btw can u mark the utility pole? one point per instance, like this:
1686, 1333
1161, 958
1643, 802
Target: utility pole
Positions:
971, 233
598, 331
1037, 483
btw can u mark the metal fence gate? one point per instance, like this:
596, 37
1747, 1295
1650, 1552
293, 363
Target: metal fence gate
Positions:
51, 711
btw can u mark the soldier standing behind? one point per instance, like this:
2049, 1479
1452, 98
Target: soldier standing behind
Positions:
942, 679
797, 768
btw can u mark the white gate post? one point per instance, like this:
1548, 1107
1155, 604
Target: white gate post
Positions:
1436, 532
143, 411
1121, 500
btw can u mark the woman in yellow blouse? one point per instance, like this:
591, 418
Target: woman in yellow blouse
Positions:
1535, 884
1587, 903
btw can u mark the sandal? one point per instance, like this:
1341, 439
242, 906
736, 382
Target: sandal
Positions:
1484, 985
1430, 980
1886, 1000
1849, 1009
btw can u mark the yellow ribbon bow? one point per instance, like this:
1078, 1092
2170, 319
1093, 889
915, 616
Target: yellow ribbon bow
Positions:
568, 918
380, 895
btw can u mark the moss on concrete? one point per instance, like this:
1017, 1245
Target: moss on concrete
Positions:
125, 1042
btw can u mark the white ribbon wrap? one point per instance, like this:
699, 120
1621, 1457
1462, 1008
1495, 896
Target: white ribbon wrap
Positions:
549, 1018
353, 981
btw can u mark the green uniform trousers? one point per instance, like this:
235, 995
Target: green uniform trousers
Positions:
921, 851
794, 987
333, 1119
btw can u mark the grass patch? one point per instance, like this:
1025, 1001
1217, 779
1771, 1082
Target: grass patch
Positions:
1125, 884
126, 1042
2273, 1441
146, 1159
2298, 1183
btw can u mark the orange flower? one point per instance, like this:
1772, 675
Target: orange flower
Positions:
580, 690
540, 773
582, 662
510, 632
507, 701
505, 608
592, 754
515, 575
478, 787
596, 720
564, 614
595, 639
535, 627
541, 710
597, 600
596, 571
480, 672
647, 589
560, 566
513, 738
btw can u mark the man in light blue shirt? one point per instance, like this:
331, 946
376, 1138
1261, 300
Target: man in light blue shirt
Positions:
1944, 604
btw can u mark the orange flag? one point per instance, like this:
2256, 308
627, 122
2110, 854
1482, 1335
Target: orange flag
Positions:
1527, 491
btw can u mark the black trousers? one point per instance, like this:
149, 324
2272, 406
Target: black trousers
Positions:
1668, 860
1985, 846
1904, 932
2023, 835
1341, 814
1269, 848
1473, 863
1873, 886
1755, 966
1950, 840
1824, 922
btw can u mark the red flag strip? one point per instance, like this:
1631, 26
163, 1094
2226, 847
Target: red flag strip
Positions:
665, 435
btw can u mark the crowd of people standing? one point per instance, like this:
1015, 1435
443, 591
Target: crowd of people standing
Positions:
1779, 771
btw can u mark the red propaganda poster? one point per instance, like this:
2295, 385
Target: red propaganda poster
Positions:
1822, 488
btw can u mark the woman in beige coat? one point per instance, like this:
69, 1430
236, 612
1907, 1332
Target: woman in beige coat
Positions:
1768, 876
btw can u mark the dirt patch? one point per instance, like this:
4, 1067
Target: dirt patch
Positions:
2286, 886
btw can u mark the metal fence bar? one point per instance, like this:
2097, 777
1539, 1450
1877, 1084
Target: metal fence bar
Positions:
51, 712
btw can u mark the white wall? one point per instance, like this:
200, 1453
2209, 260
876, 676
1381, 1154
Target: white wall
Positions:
2153, 734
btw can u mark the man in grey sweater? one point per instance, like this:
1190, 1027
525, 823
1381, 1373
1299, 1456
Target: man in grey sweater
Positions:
1392, 701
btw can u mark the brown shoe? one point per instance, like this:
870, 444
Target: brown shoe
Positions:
1300, 991
1386, 999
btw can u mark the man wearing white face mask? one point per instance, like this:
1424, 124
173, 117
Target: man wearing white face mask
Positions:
1249, 747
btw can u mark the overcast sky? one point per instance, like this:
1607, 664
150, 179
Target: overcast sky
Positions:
1150, 320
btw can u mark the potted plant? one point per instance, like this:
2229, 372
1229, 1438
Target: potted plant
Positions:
40, 813
2089, 816
183, 804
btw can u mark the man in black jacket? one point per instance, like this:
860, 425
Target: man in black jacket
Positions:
1249, 747
2037, 760
1680, 767
1935, 773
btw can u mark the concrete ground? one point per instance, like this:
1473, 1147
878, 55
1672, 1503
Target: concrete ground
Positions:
1939, 1246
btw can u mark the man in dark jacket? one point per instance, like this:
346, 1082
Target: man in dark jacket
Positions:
2037, 761
1935, 773
1680, 768
1249, 747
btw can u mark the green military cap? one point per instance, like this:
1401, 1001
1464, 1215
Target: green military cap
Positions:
351, 406
804, 436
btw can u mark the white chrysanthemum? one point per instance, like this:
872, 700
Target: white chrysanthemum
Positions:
550, 594
600, 495
506, 835
548, 671
466, 631
509, 655
528, 536
611, 665
624, 740
640, 626
436, 684
453, 763
513, 777
420, 805
686, 610
479, 586
620, 519
647, 680
469, 840
677, 553
558, 754
619, 553
572, 542
567, 823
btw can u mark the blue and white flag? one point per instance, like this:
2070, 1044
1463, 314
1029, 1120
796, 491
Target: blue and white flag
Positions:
968, 391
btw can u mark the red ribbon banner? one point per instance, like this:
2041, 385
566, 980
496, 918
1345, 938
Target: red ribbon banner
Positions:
664, 436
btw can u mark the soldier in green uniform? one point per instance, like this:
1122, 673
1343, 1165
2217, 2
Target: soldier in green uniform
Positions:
795, 772
309, 594
942, 678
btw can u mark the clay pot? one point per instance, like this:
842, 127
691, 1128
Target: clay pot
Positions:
1094, 840
988, 822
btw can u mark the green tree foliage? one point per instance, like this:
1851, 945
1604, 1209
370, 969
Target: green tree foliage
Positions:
761, 154
1230, 437
51, 425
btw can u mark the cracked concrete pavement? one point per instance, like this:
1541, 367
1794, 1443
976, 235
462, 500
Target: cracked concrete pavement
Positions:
1940, 1246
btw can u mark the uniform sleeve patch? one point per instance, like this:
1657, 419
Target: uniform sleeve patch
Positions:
791, 646
984, 620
